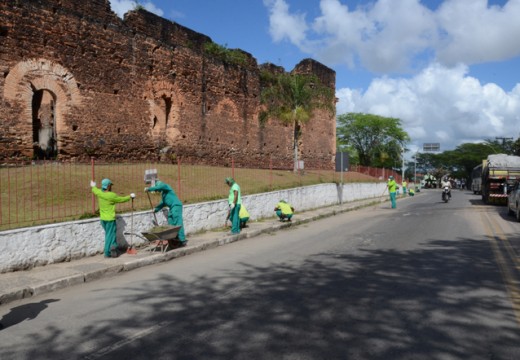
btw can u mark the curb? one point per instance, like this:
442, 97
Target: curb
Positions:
91, 272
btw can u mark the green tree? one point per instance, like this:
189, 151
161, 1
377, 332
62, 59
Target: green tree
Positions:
378, 141
292, 98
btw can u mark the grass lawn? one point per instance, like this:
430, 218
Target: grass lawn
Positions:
56, 192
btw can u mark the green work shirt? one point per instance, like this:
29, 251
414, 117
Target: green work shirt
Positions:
284, 208
391, 186
231, 197
107, 203
168, 196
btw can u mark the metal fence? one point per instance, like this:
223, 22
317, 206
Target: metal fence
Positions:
47, 192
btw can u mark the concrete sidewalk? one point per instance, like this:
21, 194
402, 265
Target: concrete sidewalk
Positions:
44, 279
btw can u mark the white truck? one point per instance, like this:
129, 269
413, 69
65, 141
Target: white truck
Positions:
499, 174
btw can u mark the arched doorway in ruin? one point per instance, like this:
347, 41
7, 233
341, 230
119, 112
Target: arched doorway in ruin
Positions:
46, 93
165, 106
45, 145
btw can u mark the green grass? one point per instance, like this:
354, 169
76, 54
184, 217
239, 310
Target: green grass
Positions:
55, 192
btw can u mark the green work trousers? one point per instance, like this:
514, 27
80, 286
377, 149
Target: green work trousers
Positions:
175, 219
283, 216
392, 200
235, 219
110, 228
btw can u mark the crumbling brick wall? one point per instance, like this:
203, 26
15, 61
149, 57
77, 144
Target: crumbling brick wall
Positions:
135, 88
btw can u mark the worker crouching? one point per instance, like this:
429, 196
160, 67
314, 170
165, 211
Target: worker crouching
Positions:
284, 211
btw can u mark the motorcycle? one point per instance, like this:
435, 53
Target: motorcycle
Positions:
446, 194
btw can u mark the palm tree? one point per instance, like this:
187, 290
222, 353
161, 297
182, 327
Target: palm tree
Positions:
292, 98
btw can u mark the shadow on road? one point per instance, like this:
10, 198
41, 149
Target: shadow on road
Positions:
443, 302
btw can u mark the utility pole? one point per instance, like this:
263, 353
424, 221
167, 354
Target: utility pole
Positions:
402, 168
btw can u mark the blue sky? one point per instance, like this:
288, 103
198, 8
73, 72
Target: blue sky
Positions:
450, 70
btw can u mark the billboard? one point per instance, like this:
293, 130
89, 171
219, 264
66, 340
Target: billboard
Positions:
431, 147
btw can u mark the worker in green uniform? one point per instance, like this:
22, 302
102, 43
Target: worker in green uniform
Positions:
170, 199
392, 187
284, 210
107, 213
235, 202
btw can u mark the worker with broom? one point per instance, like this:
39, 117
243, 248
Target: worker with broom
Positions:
235, 202
170, 199
107, 213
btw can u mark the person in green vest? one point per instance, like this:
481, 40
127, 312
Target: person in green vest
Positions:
404, 187
392, 187
284, 210
244, 216
235, 202
107, 213
169, 199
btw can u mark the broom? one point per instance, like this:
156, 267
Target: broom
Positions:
154, 222
384, 190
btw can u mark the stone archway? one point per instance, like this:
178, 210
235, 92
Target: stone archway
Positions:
46, 93
164, 105
44, 125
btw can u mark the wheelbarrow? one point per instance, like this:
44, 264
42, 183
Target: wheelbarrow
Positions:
162, 237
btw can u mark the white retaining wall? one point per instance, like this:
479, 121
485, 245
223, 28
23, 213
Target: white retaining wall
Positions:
40, 245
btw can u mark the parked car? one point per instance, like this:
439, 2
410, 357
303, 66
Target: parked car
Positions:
513, 201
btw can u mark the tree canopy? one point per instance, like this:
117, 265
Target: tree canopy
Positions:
460, 162
374, 140
292, 98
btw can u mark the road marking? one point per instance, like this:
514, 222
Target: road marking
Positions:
138, 335
509, 280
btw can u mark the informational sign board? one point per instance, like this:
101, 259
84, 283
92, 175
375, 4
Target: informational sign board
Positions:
150, 176
431, 147
342, 161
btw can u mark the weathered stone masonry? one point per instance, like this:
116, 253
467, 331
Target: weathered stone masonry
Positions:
77, 81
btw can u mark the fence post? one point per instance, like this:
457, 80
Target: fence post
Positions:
93, 178
270, 173
179, 177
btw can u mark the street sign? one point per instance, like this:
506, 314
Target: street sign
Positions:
431, 147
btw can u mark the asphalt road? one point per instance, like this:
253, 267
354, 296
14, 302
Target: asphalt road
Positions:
427, 280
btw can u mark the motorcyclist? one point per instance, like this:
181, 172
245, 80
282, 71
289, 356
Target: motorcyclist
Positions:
446, 182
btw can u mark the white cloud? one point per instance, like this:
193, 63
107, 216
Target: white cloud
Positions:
121, 7
284, 25
401, 35
474, 33
440, 104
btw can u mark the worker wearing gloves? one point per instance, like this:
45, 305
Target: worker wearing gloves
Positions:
392, 188
235, 202
284, 210
107, 213
170, 199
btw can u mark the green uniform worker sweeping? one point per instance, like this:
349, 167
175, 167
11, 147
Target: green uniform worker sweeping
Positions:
284, 210
170, 199
107, 213
235, 202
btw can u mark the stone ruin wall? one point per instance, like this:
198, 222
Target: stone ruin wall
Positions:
133, 88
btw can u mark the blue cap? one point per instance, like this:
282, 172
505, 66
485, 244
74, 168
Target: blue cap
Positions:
105, 183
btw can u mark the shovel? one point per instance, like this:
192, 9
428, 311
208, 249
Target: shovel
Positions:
131, 250
154, 221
